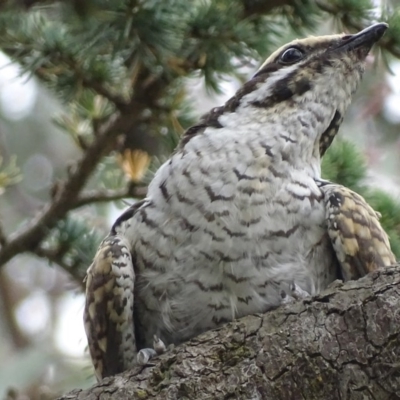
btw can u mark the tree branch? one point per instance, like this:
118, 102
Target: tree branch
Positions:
8, 302
30, 235
342, 344
3, 238
100, 196
56, 257
85, 81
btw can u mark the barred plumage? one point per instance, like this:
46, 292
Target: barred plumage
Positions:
360, 243
239, 212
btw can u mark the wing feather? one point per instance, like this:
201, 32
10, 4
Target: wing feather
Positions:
360, 243
108, 314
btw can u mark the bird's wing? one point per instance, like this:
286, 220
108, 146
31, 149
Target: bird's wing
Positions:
108, 314
360, 243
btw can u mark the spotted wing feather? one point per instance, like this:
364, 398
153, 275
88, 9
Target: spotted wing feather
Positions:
360, 243
108, 312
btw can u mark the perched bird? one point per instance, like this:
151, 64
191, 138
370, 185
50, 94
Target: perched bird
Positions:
239, 213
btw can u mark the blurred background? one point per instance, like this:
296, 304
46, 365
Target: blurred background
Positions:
68, 68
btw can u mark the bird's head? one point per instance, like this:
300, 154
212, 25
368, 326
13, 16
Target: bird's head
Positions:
318, 73
303, 88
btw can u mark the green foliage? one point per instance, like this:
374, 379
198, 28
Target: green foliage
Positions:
343, 163
108, 175
302, 14
389, 208
73, 244
82, 117
130, 61
134, 57
393, 37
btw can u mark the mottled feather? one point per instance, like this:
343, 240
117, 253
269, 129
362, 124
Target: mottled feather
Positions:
237, 215
360, 243
109, 308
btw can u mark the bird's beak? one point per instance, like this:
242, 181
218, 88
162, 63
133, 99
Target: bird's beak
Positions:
365, 38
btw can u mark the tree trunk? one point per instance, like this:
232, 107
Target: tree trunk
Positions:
341, 344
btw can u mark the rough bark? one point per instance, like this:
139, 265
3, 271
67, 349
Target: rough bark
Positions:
341, 344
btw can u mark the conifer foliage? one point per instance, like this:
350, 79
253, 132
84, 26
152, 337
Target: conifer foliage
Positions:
121, 70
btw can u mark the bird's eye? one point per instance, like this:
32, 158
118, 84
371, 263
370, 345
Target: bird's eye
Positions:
291, 55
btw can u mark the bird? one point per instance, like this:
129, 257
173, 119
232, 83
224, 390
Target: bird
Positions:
239, 220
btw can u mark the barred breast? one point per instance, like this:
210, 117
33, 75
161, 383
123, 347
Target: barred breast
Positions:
229, 222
